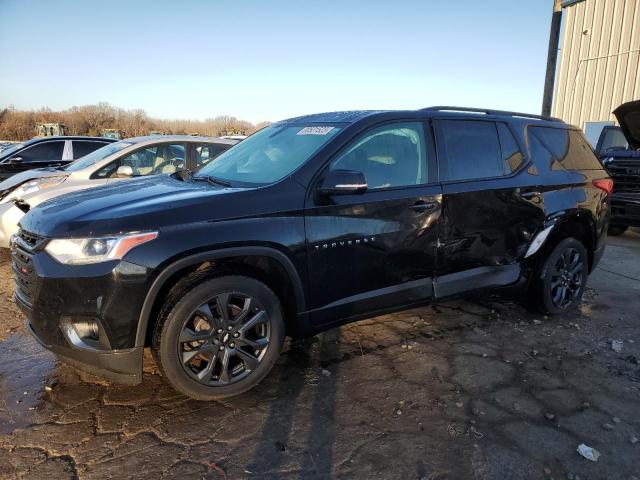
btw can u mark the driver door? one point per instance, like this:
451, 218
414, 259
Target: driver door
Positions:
375, 251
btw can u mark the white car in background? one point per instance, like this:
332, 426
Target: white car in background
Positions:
129, 158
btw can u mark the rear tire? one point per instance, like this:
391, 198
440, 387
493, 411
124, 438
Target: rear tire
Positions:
615, 230
559, 283
220, 339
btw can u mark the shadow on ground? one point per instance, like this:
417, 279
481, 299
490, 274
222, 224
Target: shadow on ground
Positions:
468, 389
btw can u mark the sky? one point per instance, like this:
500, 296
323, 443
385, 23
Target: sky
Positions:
268, 60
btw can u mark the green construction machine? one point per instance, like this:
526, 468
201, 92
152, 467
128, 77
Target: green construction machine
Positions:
50, 129
112, 133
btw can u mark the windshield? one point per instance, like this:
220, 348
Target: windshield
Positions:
270, 154
96, 156
612, 138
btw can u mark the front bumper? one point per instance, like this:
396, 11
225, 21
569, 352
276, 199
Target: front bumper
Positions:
625, 209
122, 366
111, 295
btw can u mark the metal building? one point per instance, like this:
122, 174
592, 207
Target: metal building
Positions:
599, 61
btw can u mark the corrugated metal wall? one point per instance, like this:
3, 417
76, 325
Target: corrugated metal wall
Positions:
599, 65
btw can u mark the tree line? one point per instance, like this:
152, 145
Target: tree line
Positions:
91, 120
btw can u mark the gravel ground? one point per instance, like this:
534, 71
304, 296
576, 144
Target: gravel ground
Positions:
478, 388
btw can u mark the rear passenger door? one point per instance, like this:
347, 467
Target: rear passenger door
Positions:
490, 205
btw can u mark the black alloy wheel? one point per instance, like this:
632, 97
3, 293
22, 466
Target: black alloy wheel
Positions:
566, 278
219, 337
224, 339
559, 281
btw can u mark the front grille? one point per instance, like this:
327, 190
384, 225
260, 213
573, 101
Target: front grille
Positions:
24, 273
29, 240
626, 176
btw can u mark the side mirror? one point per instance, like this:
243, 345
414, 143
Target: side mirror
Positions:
124, 171
343, 182
15, 160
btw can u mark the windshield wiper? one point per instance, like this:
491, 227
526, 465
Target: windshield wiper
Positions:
213, 180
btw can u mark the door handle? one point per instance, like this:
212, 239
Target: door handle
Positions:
422, 206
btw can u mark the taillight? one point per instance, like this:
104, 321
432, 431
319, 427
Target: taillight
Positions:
604, 184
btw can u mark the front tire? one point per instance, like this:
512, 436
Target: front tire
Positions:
615, 230
559, 283
220, 339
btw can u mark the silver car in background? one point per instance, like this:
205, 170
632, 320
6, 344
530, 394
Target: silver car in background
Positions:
129, 158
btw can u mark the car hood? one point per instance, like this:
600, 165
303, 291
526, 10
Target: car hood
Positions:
22, 177
135, 205
628, 115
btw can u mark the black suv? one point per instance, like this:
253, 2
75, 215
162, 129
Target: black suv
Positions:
619, 150
310, 223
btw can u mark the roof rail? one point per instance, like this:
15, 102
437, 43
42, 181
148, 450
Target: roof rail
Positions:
488, 111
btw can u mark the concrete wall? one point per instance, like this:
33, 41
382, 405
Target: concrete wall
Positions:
599, 62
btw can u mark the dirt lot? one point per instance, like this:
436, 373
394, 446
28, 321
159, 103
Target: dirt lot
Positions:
468, 389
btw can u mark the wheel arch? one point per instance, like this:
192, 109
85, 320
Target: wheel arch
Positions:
578, 224
267, 264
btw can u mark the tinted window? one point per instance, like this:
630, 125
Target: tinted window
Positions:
148, 161
471, 149
80, 148
511, 155
563, 149
389, 156
43, 151
203, 154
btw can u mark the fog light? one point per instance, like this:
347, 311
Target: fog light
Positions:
87, 330
84, 333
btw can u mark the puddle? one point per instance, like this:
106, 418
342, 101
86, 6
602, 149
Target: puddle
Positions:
25, 368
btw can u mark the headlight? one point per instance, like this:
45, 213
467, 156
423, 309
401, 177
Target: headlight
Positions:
33, 186
81, 251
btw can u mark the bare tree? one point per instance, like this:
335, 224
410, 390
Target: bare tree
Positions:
93, 119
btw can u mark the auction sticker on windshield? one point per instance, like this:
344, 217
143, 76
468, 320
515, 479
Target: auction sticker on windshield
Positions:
315, 130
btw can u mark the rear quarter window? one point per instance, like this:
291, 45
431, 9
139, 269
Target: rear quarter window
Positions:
561, 149
511, 155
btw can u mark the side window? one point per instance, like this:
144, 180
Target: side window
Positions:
203, 154
564, 149
141, 161
471, 149
81, 148
511, 154
540, 155
165, 158
393, 155
43, 151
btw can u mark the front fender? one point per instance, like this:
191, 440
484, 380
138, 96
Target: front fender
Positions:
198, 258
